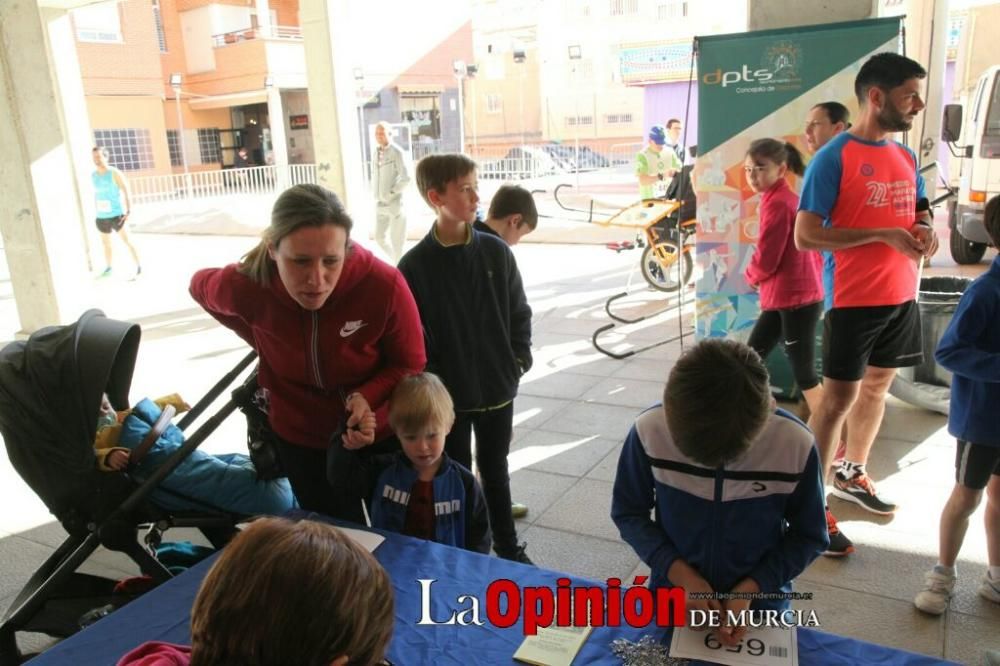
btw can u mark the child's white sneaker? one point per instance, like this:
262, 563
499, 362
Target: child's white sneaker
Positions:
990, 589
937, 590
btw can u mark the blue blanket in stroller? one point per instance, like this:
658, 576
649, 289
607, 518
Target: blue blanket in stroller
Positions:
227, 482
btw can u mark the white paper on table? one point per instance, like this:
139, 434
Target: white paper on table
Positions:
765, 646
367, 540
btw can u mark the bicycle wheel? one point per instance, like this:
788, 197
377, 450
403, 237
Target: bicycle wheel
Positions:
665, 277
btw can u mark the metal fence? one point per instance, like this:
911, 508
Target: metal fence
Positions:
203, 184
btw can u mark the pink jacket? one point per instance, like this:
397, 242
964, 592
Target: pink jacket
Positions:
157, 654
786, 276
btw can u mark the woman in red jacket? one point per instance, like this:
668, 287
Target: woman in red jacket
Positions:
789, 282
335, 330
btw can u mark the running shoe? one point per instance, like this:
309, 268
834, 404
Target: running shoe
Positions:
937, 591
861, 490
990, 589
840, 545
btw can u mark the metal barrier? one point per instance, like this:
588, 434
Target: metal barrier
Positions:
203, 184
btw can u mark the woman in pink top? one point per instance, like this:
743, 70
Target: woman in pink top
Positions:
789, 282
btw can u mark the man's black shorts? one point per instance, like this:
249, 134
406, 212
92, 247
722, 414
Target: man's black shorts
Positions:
885, 336
975, 463
108, 224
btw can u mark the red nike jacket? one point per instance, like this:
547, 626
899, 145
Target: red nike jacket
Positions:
365, 338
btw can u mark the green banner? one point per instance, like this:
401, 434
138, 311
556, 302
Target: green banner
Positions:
752, 86
744, 77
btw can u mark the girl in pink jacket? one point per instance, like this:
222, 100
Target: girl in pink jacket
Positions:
789, 280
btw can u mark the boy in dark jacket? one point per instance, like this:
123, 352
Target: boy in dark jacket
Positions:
970, 348
477, 330
420, 492
512, 215
734, 482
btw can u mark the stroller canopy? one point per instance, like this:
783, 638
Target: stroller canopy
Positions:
50, 396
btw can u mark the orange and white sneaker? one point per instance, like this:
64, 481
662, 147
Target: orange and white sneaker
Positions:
861, 490
840, 545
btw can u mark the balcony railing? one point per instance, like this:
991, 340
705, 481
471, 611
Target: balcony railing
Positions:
205, 184
292, 32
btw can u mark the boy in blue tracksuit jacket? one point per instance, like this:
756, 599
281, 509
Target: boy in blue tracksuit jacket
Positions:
420, 492
734, 484
970, 348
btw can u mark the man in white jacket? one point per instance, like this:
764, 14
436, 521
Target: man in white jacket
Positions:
389, 177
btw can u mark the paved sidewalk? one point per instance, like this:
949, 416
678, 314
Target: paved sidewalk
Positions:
573, 411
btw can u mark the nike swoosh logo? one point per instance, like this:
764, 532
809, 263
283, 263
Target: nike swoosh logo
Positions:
351, 327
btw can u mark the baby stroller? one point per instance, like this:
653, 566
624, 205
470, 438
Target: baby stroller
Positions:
51, 387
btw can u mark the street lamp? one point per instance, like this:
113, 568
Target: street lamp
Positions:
175, 83
359, 85
471, 70
458, 67
576, 53
519, 58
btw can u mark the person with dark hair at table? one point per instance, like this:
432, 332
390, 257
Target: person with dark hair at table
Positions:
717, 490
285, 592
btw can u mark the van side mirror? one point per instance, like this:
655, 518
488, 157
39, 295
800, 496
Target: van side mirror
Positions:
951, 123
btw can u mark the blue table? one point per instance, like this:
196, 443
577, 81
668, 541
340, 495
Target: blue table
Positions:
164, 615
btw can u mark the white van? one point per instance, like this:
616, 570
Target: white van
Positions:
978, 150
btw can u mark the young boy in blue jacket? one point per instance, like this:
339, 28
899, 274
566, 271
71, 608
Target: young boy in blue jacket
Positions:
420, 492
970, 349
734, 484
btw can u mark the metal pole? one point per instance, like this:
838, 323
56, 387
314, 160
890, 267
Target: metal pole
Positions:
576, 107
475, 147
180, 129
461, 116
521, 104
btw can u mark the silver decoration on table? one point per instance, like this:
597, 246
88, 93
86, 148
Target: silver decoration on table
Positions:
647, 652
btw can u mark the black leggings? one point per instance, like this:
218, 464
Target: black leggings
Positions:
494, 429
306, 471
797, 327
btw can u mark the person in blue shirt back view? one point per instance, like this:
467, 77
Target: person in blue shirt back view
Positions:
970, 349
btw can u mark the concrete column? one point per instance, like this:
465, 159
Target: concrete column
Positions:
61, 45
263, 18
767, 14
276, 116
40, 220
332, 115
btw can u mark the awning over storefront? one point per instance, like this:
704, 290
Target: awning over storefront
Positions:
420, 90
232, 99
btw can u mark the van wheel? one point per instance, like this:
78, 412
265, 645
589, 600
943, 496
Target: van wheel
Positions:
964, 251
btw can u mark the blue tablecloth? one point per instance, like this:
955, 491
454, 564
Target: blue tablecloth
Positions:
164, 615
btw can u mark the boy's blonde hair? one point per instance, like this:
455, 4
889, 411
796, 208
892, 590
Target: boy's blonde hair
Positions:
420, 400
434, 172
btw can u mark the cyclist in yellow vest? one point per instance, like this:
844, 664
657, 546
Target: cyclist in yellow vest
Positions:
654, 166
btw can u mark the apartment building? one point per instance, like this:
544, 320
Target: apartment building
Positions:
181, 84
594, 71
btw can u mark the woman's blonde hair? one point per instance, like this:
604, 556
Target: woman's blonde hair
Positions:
298, 206
286, 592
418, 401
